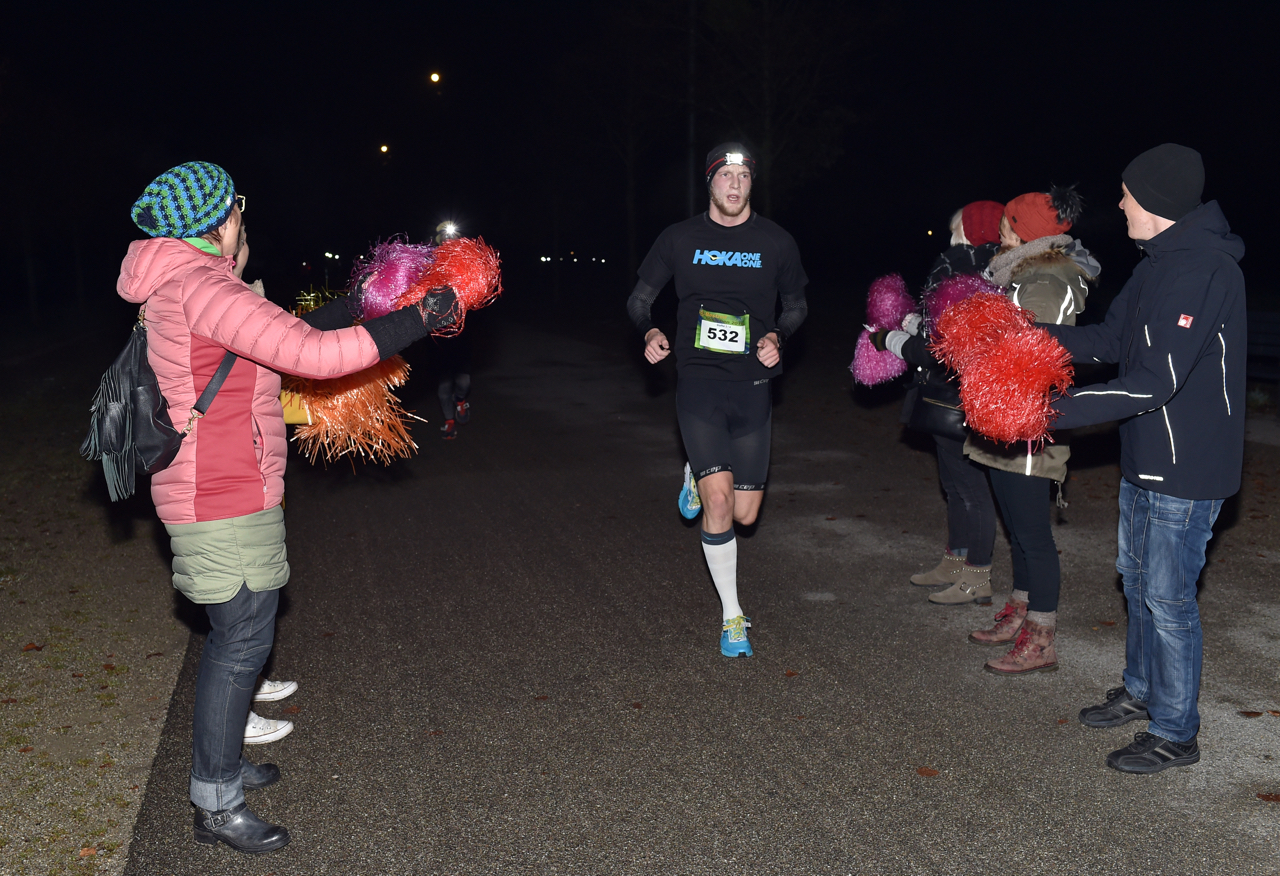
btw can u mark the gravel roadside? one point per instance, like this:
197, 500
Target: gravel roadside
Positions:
91, 635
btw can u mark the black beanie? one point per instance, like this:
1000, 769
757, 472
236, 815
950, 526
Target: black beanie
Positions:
718, 157
1167, 180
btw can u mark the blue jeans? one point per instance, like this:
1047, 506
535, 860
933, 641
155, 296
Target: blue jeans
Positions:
1161, 552
242, 632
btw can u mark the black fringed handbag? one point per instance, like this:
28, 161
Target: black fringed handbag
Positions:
936, 406
129, 424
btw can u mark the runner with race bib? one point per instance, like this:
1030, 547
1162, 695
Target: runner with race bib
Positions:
731, 266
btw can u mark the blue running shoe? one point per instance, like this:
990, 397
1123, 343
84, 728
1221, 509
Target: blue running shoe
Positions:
690, 502
733, 639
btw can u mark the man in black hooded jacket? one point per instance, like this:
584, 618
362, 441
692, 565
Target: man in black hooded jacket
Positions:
1178, 332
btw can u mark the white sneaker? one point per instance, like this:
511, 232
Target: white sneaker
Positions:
259, 730
269, 691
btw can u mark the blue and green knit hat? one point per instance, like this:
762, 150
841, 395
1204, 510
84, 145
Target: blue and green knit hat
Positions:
185, 201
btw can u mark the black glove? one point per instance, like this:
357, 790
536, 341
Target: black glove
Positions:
439, 309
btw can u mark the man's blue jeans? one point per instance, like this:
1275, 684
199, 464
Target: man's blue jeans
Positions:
1162, 543
242, 632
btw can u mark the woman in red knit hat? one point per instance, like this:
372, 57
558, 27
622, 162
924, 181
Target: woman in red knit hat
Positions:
1045, 271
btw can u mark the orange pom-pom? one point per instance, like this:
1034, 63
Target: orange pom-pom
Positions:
356, 414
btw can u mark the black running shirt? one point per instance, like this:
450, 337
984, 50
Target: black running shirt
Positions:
737, 271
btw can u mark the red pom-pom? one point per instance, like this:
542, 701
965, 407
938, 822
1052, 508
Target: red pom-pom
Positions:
1010, 371
470, 268
970, 328
1007, 394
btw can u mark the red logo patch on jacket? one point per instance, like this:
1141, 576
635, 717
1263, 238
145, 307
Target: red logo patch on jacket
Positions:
1185, 321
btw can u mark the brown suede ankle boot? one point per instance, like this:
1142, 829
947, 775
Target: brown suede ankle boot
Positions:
1008, 622
973, 585
946, 572
1033, 651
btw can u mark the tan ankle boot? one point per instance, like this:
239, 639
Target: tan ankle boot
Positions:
1008, 622
973, 585
1033, 652
946, 572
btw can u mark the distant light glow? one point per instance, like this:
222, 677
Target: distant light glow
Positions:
435, 77
384, 149
450, 228
931, 234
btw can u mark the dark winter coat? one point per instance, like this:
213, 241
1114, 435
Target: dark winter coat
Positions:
963, 258
1178, 331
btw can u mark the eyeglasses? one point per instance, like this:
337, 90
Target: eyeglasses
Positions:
239, 202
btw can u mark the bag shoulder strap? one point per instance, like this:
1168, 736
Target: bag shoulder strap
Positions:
201, 407
219, 376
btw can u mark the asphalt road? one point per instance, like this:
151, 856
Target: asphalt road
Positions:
507, 652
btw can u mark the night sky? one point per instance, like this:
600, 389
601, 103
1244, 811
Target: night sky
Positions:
563, 127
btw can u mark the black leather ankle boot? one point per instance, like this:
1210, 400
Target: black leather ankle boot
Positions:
240, 829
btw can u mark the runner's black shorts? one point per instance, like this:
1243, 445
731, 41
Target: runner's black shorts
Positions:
726, 426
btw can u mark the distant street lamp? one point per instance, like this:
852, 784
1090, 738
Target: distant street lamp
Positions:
435, 77
384, 148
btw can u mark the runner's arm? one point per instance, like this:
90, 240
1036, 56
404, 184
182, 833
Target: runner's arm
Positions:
794, 309
640, 304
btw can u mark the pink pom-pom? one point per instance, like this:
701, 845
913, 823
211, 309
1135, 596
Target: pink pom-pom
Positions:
1007, 394
888, 302
870, 366
953, 290
382, 277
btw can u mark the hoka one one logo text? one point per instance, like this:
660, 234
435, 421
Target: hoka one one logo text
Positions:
732, 259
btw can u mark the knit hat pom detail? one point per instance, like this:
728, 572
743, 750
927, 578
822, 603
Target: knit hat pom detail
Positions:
1037, 214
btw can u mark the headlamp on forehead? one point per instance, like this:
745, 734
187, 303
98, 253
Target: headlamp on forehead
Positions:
729, 155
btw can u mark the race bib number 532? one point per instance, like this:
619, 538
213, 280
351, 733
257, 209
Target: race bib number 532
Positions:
722, 333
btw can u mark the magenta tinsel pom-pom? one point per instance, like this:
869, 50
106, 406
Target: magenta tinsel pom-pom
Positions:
888, 302
383, 276
870, 366
954, 290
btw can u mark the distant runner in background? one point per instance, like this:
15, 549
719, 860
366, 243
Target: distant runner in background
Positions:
453, 357
730, 267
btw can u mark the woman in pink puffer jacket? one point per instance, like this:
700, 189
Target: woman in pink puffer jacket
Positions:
220, 499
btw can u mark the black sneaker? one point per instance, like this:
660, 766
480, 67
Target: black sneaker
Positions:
1149, 753
1120, 708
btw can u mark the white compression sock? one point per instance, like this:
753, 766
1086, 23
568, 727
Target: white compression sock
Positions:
721, 552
